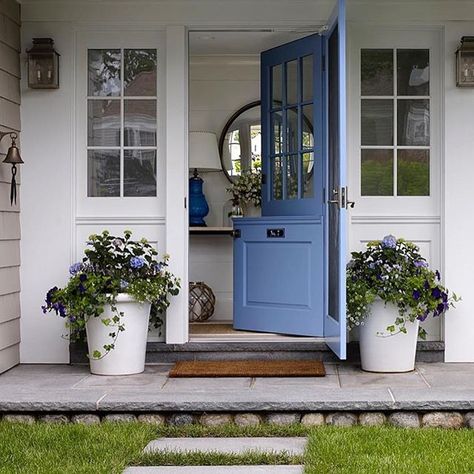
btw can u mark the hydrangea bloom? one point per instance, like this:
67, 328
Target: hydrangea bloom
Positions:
389, 242
137, 262
75, 268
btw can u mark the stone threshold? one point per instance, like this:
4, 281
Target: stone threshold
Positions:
403, 419
304, 348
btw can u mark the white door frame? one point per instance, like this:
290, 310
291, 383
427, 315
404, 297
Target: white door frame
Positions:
177, 107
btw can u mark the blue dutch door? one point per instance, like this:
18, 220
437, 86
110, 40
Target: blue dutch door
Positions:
283, 279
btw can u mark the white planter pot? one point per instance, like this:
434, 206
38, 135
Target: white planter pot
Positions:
128, 356
380, 352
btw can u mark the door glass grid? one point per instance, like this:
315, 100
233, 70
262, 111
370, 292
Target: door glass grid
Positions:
122, 122
292, 133
395, 122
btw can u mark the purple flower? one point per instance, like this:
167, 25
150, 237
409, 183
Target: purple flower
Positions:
81, 288
82, 277
389, 242
426, 285
444, 297
44, 309
421, 263
436, 293
157, 267
123, 284
75, 268
137, 262
423, 316
416, 295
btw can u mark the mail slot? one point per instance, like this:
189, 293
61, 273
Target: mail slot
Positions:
275, 233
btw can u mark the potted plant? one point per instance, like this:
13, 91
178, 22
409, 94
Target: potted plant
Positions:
246, 193
390, 289
108, 299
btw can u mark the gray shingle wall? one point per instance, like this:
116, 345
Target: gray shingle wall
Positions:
9, 215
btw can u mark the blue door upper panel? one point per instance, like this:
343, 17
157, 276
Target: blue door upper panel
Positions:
292, 128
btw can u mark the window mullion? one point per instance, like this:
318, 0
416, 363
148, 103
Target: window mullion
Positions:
395, 124
122, 123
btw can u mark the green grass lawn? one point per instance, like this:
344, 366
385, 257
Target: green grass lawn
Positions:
108, 448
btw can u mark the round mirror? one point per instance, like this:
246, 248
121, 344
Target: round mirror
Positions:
240, 146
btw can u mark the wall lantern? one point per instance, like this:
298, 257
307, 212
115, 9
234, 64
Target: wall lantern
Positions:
13, 157
43, 65
465, 62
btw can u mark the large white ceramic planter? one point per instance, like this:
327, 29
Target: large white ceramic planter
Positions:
128, 356
381, 352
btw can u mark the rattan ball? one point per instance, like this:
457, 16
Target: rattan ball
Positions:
201, 301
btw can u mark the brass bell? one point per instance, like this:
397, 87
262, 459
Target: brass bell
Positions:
13, 157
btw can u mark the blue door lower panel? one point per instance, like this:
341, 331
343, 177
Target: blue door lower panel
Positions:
278, 276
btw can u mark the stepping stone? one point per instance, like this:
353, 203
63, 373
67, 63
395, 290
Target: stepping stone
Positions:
294, 446
296, 469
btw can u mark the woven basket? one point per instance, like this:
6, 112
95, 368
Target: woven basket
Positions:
201, 301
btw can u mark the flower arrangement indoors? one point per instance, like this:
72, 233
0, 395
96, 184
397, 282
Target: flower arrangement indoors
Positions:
246, 192
390, 290
109, 297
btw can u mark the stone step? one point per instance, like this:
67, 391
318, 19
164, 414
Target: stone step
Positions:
294, 446
159, 352
296, 469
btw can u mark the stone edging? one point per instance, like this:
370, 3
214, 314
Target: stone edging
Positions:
401, 419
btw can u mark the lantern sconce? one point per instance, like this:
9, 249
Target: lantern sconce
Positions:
43, 65
13, 157
465, 62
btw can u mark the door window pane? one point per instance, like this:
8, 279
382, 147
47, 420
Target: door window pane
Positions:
413, 72
292, 130
140, 72
103, 123
277, 178
104, 72
377, 173
377, 122
414, 122
103, 173
277, 86
140, 122
307, 67
307, 138
292, 177
377, 72
413, 173
140, 173
308, 171
292, 82
277, 124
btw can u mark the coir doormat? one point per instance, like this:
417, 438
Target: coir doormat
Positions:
248, 368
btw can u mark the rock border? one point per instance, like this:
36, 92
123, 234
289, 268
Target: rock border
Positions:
399, 419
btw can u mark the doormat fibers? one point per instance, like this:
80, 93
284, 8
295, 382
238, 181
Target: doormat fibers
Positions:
248, 368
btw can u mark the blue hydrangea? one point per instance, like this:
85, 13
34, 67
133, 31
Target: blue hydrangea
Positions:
75, 268
421, 263
389, 242
137, 262
123, 284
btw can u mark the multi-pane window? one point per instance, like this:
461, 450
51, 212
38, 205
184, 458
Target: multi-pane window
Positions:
291, 116
395, 122
122, 122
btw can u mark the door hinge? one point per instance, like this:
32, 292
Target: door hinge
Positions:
185, 203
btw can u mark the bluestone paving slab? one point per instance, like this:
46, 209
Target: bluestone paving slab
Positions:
296, 469
307, 398
206, 384
330, 381
294, 446
433, 399
355, 378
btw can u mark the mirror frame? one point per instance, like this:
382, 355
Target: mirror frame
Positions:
250, 105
